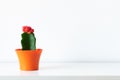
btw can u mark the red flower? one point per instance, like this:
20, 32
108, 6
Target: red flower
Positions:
28, 29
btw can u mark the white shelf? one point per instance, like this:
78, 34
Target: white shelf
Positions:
60, 71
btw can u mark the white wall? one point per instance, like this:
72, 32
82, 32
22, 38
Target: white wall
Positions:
67, 30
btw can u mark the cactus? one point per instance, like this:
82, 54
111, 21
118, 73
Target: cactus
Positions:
28, 41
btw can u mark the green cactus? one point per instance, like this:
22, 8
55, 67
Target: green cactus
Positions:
28, 41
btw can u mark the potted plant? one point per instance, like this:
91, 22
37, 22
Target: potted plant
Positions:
28, 56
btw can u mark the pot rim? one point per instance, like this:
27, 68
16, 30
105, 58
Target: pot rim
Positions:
27, 50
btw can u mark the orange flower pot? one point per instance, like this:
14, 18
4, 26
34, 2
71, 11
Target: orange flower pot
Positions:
29, 59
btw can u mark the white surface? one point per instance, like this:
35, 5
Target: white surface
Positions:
67, 30
63, 69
